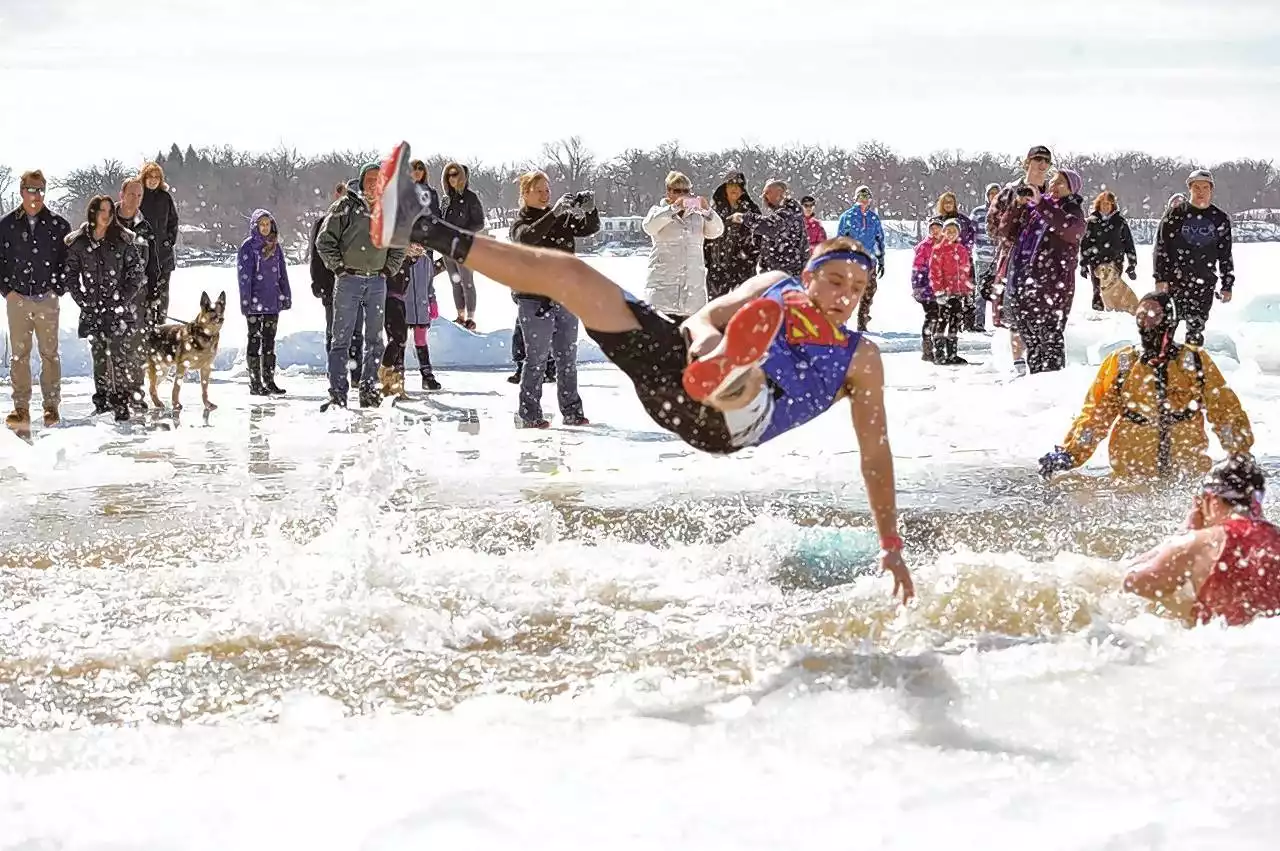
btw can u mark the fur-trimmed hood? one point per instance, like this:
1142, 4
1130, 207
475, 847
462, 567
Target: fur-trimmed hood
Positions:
466, 175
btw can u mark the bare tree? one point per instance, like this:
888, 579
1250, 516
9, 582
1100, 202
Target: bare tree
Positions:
217, 188
569, 162
84, 183
8, 198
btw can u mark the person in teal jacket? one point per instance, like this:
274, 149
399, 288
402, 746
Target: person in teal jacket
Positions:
862, 223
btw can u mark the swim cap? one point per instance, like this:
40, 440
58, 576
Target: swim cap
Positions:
1236, 480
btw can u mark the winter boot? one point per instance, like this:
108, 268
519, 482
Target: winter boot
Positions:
386, 378
269, 376
20, 418
953, 353
401, 392
515, 379
941, 355
255, 376
370, 397
926, 348
51, 417
424, 366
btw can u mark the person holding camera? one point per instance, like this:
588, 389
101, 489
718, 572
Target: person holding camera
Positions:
677, 280
1006, 218
546, 326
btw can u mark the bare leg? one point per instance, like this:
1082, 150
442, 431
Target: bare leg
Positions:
598, 302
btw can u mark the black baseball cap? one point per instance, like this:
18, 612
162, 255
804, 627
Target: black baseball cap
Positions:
1040, 151
808, 199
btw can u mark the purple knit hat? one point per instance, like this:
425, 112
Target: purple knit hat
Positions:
1074, 183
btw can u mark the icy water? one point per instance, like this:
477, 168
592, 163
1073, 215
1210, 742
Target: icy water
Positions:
414, 627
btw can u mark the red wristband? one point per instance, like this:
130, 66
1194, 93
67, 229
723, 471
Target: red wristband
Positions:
891, 544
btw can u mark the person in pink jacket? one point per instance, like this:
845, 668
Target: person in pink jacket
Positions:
816, 232
951, 279
922, 292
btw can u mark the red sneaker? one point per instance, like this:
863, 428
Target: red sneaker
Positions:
746, 343
386, 198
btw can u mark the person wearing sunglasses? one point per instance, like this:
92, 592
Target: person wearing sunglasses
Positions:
747, 367
1225, 565
1153, 400
33, 252
461, 206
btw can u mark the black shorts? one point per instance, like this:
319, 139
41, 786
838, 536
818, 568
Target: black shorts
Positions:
654, 357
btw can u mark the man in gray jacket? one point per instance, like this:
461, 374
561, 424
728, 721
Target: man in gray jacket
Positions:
360, 285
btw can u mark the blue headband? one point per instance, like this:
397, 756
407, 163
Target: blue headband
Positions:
860, 257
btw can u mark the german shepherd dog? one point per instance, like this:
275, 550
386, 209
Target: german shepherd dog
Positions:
186, 347
1116, 294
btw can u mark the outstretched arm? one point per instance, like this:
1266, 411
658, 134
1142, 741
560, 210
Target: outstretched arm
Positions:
865, 385
1102, 405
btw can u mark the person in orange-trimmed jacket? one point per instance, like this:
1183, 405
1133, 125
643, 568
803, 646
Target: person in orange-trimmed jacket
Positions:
1153, 401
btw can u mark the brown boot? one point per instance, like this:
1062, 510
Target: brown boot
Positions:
51, 417
387, 378
20, 418
401, 393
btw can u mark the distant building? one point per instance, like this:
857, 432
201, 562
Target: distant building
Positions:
620, 225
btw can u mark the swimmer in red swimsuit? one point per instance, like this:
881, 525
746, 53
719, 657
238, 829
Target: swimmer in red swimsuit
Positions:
1230, 554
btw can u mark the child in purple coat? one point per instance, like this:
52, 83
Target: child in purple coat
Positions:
264, 292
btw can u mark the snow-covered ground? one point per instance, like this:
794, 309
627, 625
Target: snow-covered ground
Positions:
420, 627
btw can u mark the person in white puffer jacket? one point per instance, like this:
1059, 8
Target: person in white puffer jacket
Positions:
677, 281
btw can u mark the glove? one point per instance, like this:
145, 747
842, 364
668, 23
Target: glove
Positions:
1056, 461
286, 303
316, 291
880, 267
588, 201
564, 204
1084, 272
1132, 274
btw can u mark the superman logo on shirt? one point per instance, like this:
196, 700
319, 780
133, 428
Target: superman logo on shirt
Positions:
805, 324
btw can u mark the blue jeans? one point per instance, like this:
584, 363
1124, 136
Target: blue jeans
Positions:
547, 330
353, 295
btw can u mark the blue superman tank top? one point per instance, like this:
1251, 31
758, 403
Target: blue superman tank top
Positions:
808, 362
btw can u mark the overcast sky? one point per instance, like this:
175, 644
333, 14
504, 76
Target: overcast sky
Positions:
491, 80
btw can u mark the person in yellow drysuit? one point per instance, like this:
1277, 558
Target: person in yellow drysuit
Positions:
1153, 400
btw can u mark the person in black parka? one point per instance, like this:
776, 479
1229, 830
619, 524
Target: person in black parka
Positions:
461, 206
161, 212
1107, 239
104, 271
732, 258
